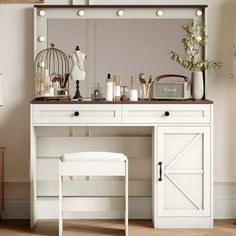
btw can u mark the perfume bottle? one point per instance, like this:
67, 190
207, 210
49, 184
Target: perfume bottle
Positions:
117, 81
124, 93
51, 89
133, 96
96, 94
109, 88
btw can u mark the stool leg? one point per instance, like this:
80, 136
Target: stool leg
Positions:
126, 198
60, 223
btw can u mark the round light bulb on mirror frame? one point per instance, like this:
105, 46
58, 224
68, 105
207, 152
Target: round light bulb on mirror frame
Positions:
159, 12
120, 13
198, 13
42, 13
41, 64
81, 13
41, 38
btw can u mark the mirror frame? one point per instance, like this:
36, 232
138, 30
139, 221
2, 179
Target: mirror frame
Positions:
21, 1
43, 13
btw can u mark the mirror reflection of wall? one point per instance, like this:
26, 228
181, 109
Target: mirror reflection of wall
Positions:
123, 47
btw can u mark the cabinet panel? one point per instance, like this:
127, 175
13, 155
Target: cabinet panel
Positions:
183, 171
167, 113
76, 114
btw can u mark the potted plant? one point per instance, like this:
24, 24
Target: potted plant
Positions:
193, 41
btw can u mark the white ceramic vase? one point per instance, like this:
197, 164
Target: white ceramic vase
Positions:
197, 86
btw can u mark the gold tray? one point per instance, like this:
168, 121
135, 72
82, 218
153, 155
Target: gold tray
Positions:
58, 98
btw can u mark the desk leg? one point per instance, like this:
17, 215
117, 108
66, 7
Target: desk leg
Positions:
1, 181
154, 175
33, 195
126, 199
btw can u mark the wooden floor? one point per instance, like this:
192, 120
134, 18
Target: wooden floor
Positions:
109, 227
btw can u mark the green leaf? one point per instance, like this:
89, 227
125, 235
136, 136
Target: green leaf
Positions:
190, 43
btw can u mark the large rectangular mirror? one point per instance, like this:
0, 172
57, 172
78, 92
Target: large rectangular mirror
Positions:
136, 42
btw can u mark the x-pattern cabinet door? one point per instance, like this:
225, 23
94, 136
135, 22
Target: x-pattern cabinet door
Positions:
183, 171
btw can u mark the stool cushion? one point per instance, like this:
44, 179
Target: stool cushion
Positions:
93, 157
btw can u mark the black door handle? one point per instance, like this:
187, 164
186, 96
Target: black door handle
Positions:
160, 173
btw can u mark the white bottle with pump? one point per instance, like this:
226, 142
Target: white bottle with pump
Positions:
109, 88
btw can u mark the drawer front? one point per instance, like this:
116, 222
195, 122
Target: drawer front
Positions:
76, 114
166, 113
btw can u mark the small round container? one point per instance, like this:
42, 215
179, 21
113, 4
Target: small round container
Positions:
124, 93
133, 95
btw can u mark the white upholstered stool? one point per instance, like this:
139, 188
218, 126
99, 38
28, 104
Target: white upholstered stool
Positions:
93, 164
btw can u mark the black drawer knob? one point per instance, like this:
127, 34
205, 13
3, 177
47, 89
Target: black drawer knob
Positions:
167, 113
76, 113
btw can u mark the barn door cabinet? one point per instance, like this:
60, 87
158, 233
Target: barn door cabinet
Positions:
183, 177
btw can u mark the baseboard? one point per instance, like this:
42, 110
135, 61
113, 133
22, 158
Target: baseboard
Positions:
224, 206
19, 209
16, 208
140, 207
16, 180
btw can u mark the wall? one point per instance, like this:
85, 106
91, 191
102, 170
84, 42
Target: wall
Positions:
16, 65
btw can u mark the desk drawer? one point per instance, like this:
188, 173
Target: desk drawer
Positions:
76, 114
166, 113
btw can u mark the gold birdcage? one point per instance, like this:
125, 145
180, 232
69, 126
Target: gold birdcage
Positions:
57, 63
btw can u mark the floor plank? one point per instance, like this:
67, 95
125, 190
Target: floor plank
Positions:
109, 228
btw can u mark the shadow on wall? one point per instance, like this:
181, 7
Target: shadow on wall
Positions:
15, 128
225, 37
224, 88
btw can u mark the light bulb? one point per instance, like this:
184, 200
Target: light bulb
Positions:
198, 13
42, 13
159, 12
120, 12
41, 38
81, 12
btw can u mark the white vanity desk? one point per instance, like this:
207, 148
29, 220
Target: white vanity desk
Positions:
174, 138
169, 144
